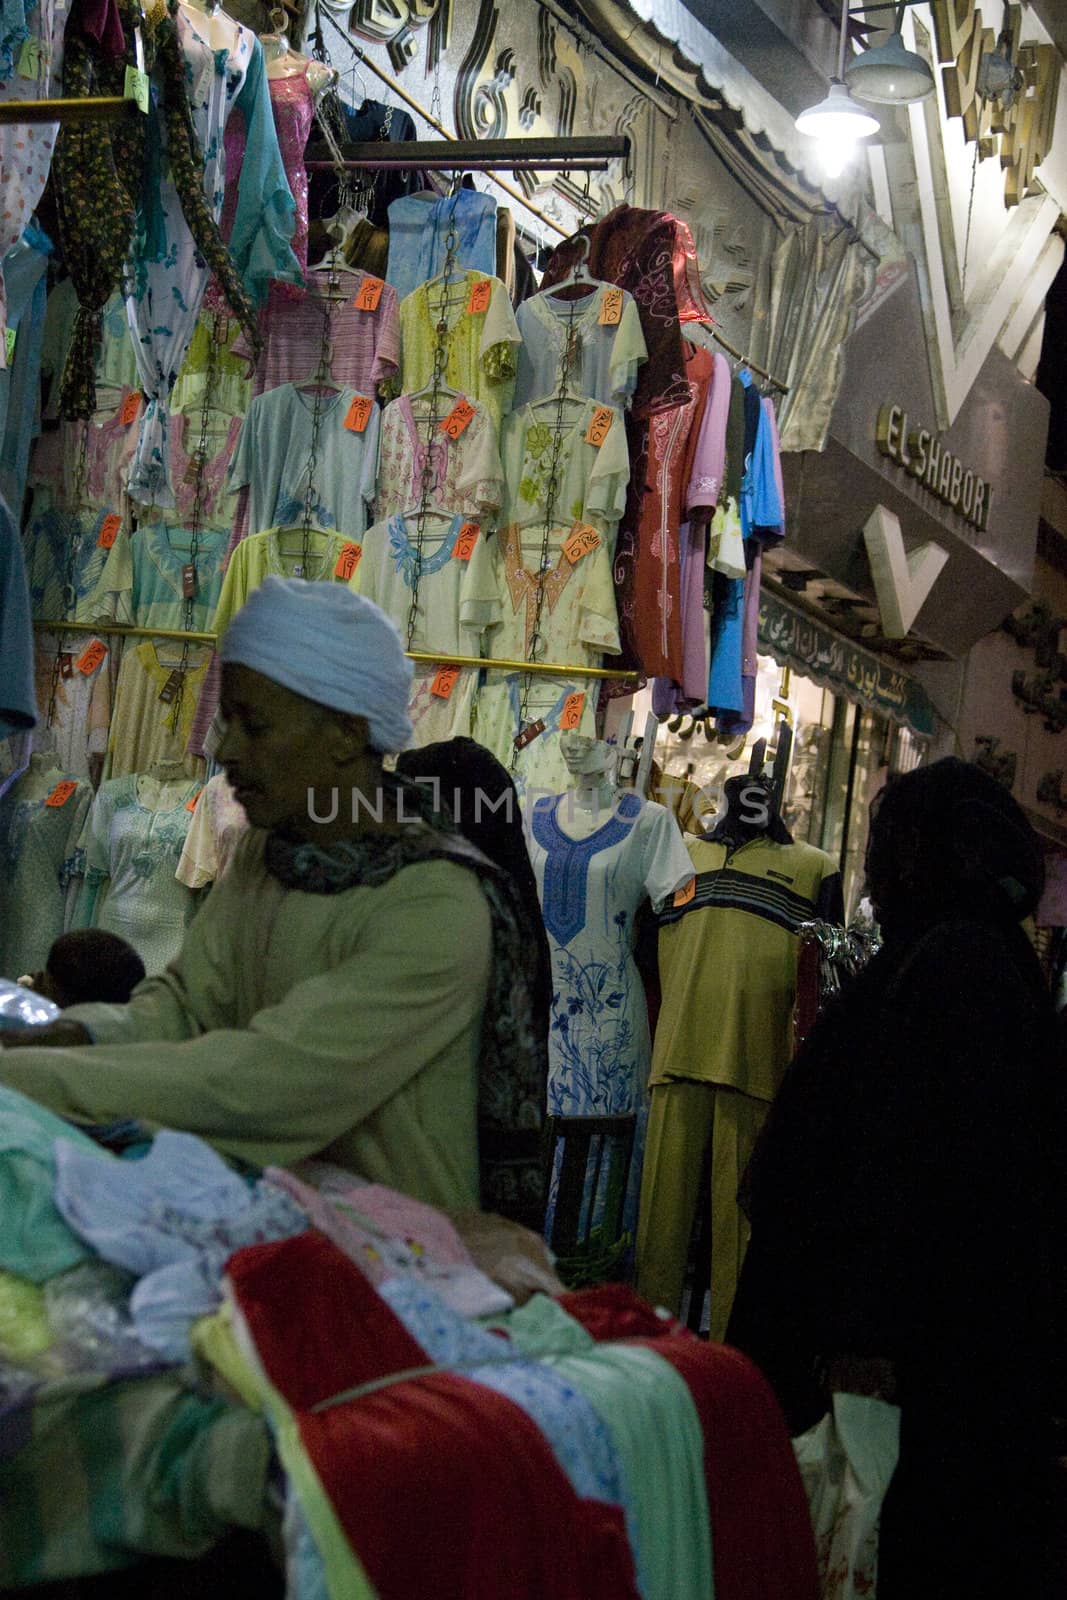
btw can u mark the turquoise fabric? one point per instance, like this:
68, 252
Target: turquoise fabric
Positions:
35, 1242
654, 1428
261, 241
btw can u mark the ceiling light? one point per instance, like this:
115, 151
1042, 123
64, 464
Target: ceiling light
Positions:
838, 117
889, 75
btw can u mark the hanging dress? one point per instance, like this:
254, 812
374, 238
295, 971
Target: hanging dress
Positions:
169, 275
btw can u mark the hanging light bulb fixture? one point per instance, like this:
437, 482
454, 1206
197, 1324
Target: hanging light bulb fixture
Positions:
890, 75
837, 122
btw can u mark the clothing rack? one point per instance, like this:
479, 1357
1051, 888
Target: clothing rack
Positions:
586, 154
99, 108
125, 630
738, 355
427, 116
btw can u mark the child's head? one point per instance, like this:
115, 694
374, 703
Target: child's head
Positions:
89, 964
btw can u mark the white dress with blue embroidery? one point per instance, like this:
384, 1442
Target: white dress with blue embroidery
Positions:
600, 1050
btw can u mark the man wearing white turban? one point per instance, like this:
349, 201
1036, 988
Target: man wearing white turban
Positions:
357, 986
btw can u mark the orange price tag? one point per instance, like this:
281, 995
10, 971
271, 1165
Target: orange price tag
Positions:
347, 562
461, 416
91, 657
610, 307
61, 793
599, 426
444, 682
369, 295
109, 530
583, 538
358, 414
466, 539
571, 714
129, 409
682, 897
190, 805
481, 294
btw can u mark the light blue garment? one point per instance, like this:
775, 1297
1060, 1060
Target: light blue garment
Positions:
64, 558
13, 32
173, 1218
761, 508
725, 690
18, 705
579, 1440
418, 238
647, 1408
169, 275
20, 384
35, 1240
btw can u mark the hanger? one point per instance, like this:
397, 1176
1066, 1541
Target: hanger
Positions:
334, 261
305, 533
577, 278
316, 384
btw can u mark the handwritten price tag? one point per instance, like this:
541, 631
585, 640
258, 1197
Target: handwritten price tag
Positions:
599, 426
347, 562
109, 530
481, 294
369, 295
190, 805
129, 409
358, 414
683, 896
91, 657
532, 731
571, 714
461, 416
136, 88
583, 539
444, 682
61, 793
173, 686
10, 334
610, 308
466, 539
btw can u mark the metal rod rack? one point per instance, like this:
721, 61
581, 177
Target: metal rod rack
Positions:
554, 669
100, 108
584, 154
731, 349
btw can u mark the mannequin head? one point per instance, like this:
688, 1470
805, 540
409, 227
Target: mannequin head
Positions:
751, 811
588, 760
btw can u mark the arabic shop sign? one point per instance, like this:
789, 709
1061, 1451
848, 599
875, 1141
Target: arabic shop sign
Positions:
923, 455
794, 640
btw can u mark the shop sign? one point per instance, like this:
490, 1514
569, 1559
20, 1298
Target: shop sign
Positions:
794, 640
1019, 130
902, 578
927, 458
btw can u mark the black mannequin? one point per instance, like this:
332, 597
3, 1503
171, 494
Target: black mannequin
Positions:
751, 813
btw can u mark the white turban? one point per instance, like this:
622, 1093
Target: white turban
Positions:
332, 646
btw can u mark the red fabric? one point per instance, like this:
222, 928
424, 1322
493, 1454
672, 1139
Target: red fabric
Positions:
442, 1486
762, 1542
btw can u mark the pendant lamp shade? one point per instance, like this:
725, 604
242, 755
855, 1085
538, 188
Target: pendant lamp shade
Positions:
837, 117
890, 75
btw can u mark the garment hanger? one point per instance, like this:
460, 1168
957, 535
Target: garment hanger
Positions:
334, 261
577, 278
317, 385
305, 532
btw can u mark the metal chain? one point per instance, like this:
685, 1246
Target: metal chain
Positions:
73, 545
442, 341
536, 640
323, 376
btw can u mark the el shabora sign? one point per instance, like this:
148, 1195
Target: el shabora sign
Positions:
923, 454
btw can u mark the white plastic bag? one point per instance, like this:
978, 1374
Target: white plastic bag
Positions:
846, 1462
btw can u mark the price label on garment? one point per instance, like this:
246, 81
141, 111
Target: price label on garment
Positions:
136, 88
480, 296
129, 408
460, 417
610, 308
532, 731
347, 562
190, 805
444, 682
582, 540
66, 664
369, 294
109, 530
466, 539
358, 414
188, 581
28, 64
571, 714
91, 657
61, 793
599, 426
10, 335
683, 896
172, 687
